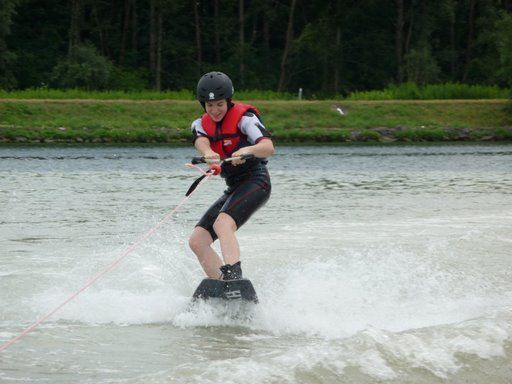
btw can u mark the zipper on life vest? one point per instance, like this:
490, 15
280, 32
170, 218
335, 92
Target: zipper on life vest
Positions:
219, 137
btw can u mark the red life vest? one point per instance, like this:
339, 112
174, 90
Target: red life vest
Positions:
225, 136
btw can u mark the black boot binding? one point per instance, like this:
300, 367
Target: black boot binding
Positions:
231, 272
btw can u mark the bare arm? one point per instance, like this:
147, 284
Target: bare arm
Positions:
264, 148
202, 145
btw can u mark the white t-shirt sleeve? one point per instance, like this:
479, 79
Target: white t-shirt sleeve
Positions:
197, 129
253, 128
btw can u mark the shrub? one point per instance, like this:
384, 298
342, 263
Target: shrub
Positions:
420, 66
504, 45
126, 79
83, 68
411, 91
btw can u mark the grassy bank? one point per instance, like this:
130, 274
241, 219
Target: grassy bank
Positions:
447, 91
405, 91
168, 121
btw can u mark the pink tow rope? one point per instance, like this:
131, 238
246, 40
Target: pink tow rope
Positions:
206, 175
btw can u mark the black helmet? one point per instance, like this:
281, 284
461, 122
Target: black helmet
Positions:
214, 86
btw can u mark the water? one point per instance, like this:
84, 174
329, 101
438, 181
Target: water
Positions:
372, 264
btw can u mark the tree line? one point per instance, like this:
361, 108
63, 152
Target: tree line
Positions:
325, 47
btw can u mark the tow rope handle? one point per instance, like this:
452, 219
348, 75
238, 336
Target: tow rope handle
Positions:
214, 169
202, 159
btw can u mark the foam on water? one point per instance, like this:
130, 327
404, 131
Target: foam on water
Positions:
420, 355
332, 298
379, 311
387, 289
423, 355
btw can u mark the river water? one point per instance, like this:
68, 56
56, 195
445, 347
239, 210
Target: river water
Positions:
372, 264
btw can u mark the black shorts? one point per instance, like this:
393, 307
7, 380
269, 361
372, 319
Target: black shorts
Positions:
243, 197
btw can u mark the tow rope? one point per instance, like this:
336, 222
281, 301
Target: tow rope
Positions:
213, 170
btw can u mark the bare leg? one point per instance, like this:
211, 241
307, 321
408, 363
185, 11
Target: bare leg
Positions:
201, 244
225, 228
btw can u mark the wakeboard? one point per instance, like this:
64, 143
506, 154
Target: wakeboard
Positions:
241, 289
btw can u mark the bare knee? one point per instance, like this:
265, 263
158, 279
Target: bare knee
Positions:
224, 224
194, 244
198, 241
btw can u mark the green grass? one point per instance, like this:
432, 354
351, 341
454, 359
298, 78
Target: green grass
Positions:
57, 94
407, 91
168, 121
411, 91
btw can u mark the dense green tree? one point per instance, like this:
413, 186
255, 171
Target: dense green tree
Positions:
504, 46
39, 38
325, 47
7, 56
